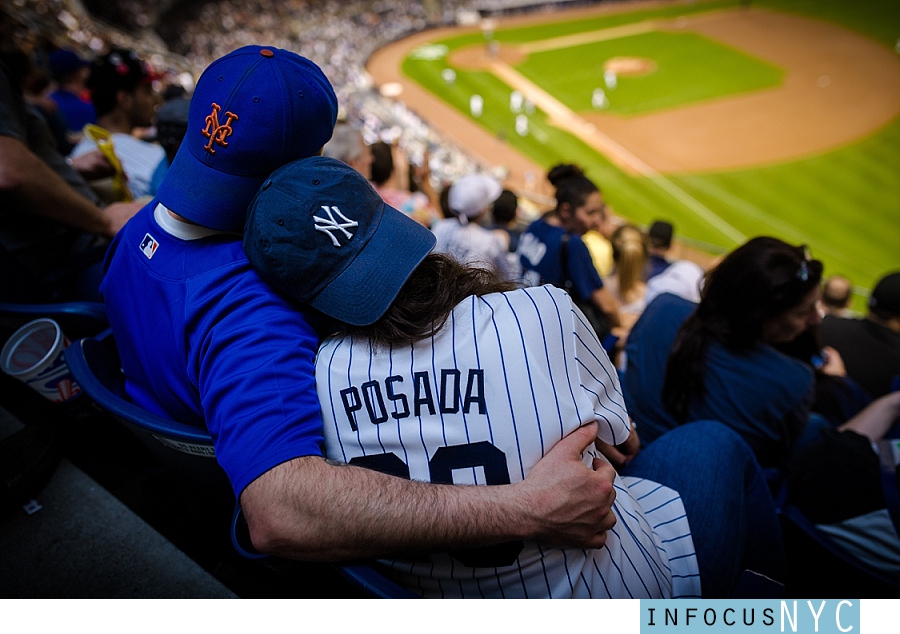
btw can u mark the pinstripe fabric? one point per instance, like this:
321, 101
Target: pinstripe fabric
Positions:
506, 378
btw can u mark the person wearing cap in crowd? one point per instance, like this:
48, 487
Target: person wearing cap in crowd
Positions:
204, 340
53, 233
659, 242
461, 237
870, 346
72, 96
171, 126
422, 378
122, 93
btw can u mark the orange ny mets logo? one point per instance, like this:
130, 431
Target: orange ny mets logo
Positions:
216, 132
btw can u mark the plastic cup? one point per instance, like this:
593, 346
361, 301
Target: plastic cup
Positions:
34, 355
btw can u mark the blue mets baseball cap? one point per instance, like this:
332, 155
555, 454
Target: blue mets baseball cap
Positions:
64, 62
253, 110
320, 234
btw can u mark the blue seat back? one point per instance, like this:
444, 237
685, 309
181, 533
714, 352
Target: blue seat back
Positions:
77, 319
95, 364
184, 449
792, 514
372, 582
362, 574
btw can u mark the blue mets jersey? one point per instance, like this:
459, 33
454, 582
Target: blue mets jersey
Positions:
205, 341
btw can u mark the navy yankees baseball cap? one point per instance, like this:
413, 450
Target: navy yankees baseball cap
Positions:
320, 234
253, 110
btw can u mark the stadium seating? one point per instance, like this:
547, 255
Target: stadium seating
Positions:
889, 484
360, 574
793, 519
77, 319
185, 449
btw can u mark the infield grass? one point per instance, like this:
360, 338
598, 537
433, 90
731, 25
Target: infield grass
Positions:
689, 68
845, 204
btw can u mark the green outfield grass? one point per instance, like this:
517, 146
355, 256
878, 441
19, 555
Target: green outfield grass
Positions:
845, 204
678, 79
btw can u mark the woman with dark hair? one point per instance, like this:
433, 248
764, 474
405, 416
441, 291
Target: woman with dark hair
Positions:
443, 373
718, 359
551, 250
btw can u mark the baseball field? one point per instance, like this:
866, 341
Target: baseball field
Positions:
771, 117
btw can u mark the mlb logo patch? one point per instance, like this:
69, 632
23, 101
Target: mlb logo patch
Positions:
149, 246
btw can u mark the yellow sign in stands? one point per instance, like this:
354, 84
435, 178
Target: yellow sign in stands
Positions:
103, 139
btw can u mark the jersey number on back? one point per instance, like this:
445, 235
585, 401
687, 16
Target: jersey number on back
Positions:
441, 466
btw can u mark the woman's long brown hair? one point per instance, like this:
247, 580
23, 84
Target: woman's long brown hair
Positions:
427, 298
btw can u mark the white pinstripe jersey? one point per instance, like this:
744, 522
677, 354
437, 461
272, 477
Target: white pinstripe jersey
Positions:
507, 377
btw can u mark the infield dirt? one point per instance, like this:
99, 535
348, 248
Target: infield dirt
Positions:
839, 86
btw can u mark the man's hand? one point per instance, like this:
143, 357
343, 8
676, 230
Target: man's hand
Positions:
92, 165
117, 214
620, 455
572, 504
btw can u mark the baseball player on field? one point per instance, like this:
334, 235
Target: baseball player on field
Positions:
444, 373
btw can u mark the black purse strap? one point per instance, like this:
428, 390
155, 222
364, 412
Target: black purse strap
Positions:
567, 282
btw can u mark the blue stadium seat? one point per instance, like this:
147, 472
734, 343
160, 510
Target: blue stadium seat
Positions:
77, 319
186, 449
373, 583
792, 515
889, 485
361, 574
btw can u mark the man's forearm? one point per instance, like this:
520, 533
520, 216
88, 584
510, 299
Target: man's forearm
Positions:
309, 509
43, 192
331, 512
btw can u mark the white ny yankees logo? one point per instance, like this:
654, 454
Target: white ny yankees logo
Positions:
329, 224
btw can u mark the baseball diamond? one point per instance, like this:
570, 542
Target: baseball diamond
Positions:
798, 145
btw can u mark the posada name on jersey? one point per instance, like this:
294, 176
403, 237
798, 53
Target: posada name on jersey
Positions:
396, 397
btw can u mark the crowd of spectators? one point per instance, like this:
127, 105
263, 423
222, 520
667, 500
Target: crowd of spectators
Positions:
181, 38
337, 36
681, 337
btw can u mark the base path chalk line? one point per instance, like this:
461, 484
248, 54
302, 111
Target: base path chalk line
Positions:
562, 117
602, 35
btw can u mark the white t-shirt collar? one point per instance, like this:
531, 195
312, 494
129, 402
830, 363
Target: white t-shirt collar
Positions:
180, 229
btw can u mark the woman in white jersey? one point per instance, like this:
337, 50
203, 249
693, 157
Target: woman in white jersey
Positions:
444, 373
